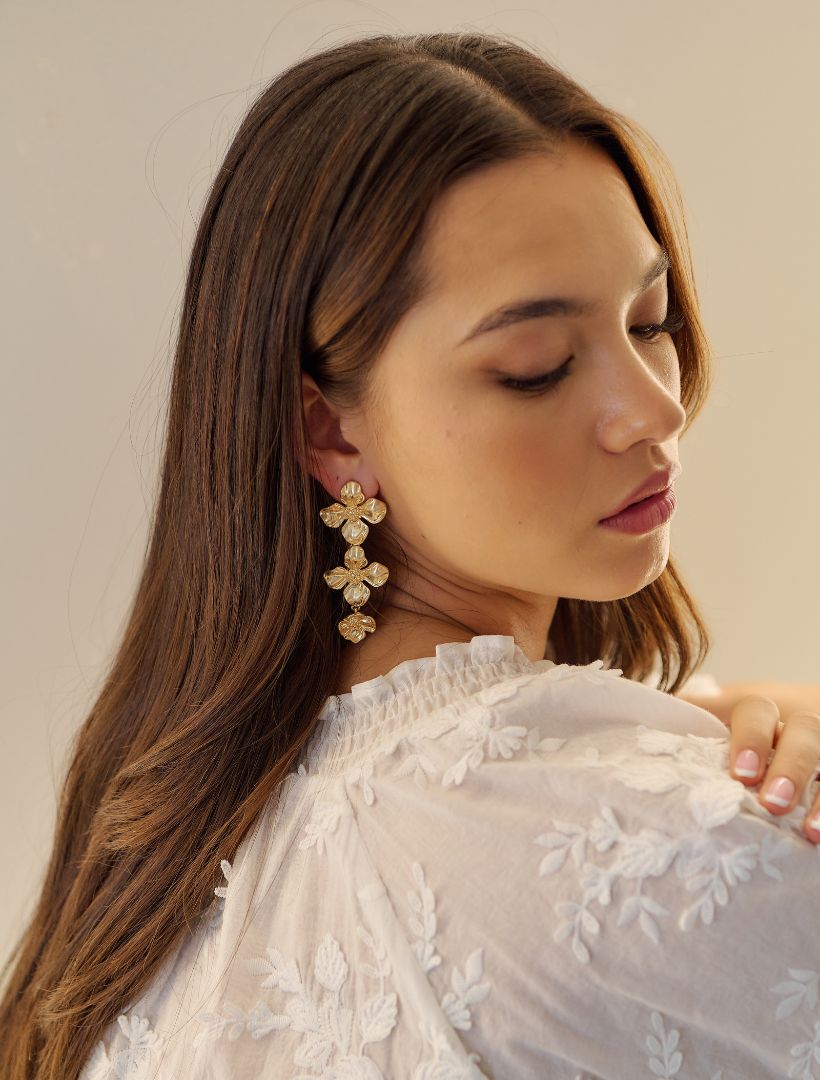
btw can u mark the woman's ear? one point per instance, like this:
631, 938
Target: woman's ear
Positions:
332, 460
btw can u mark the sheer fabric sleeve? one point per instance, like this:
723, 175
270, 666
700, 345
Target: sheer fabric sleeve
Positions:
591, 896
550, 877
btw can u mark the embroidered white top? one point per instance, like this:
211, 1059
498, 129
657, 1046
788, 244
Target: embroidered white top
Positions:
491, 867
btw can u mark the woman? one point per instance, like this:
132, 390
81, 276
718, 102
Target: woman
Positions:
459, 837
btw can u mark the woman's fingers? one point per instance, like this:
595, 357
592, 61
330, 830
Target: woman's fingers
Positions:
753, 723
755, 729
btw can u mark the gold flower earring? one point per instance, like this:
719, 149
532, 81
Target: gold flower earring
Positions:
355, 571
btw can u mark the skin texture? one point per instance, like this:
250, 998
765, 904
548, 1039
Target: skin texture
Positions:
495, 493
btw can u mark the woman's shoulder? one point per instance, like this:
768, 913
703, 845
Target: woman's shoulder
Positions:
578, 837
563, 734
553, 843
493, 699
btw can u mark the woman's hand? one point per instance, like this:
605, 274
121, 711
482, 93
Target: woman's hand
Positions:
753, 713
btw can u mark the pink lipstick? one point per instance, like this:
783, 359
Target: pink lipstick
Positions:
644, 516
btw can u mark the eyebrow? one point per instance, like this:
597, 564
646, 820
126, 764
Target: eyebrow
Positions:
543, 307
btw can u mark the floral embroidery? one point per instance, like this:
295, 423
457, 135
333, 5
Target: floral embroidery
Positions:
801, 991
805, 1053
133, 1061
798, 993
221, 892
335, 1031
482, 734
536, 745
258, 1021
466, 989
327, 1025
445, 1064
666, 1060
326, 816
417, 763
478, 733
697, 762
485, 738
698, 858
361, 774
423, 904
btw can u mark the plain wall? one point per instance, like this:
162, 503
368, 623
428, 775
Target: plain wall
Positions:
115, 117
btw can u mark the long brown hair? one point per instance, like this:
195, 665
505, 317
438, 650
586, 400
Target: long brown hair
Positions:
305, 257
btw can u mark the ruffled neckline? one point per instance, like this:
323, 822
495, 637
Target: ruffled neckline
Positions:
415, 688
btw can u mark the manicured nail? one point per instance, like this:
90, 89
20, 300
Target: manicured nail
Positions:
814, 822
747, 763
780, 791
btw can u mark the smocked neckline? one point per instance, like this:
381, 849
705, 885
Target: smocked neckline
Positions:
413, 688
449, 656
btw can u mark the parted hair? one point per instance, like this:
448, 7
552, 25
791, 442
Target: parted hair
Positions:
305, 257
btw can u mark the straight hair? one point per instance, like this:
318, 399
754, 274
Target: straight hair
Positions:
306, 256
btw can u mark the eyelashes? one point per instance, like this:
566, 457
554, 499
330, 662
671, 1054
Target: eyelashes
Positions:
649, 333
551, 379
674, 321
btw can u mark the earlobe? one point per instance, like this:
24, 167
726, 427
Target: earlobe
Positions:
334, 480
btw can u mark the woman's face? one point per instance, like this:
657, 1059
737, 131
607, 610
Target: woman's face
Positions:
496, 494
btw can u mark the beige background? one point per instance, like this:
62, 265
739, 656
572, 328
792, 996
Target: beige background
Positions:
115, 116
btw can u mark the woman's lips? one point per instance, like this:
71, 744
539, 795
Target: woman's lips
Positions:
657, 482
644, 516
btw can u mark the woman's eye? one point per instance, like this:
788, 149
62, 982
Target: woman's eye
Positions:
541, 382
674, 321
649, 333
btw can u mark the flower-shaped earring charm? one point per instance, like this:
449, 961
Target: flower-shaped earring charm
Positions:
356, 570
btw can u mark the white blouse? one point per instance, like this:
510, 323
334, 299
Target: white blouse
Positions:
491, 867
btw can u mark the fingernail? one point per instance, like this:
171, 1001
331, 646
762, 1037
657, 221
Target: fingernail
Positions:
780, 792
814, 822
747, 763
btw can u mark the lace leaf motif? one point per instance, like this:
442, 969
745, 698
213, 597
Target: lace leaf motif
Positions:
327, 1025
707, 866
455, 716
133, 1061
477, 733
324, 1021
467, 988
